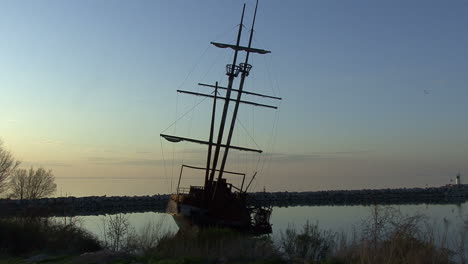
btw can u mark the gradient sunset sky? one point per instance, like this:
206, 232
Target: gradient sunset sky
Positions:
375, 93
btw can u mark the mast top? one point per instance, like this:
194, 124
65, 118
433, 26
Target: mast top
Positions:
242, 48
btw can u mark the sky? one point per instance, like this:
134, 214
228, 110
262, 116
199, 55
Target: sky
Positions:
374, 92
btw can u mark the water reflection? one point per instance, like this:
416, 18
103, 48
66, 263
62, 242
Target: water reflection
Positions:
336, 218
95, 224
345, 218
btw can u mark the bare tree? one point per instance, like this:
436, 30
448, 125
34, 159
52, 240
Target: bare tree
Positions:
32, 184
18, 183
7, 165
117, 231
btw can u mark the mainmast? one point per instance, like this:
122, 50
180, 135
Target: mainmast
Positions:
231, 71
245, 68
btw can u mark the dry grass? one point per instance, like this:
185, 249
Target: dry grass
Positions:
119, 235
217, 244
387, 236
309, 244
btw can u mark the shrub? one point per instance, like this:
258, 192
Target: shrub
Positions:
20, 236
310, 244
119, 235
391, 237
386, 236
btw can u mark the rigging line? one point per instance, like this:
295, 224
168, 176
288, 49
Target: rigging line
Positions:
268, 69
274, 81
220, 77
274, 85
191, 109
186, 113
255, 184
253, 132
268, 158
203, 54
271, 141
258, 163
184, 155
175, 124
274, 133
241, 157
191, 73
247, 156
253, 122
173, 147
224, 54
172, 169
247, 132
273, 138
269, 74
258, 42
194, 67
225, 32
222, 73
164, 163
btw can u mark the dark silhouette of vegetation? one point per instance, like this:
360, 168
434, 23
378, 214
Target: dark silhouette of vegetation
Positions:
119, 235
116, 232
32, 184
310, 243
8, 164
386, 236
216, 245
22, 236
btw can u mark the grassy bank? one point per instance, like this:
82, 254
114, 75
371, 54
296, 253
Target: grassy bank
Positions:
386, 236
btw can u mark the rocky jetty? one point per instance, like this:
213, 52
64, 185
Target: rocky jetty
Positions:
91, 205
450, 194
99, 205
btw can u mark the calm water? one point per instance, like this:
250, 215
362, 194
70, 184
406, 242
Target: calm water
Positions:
336, 218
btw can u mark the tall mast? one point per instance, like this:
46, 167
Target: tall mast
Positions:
245, 67
210, 142
226, 102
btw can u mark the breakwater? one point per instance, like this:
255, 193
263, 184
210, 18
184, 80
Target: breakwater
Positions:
99, 205
80, 206
453, 194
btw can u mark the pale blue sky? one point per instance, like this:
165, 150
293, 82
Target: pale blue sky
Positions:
375, 92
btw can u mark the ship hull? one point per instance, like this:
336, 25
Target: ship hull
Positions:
188, 217
226, 209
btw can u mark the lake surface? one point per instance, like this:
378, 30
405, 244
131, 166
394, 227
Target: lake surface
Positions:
336, 218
